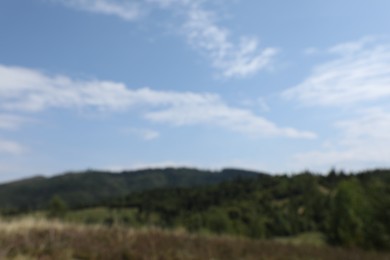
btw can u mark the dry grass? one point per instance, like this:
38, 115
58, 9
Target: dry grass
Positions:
44, 240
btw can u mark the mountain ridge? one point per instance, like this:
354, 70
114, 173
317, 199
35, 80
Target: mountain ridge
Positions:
85, 188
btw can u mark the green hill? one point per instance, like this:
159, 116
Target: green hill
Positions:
80, 189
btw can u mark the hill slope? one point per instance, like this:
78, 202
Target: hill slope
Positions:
91, 187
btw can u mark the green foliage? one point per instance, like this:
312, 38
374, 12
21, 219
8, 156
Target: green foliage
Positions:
57, 208
100, 215
217, 221
349, 210
359, 216
348, 214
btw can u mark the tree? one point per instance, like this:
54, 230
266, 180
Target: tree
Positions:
348, 215
57, 208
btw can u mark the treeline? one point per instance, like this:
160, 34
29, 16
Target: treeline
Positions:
350, 210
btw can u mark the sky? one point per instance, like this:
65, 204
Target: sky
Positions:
275, 86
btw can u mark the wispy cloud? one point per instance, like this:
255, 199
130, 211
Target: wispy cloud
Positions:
230, 58
357, 79
219, 114
127, 10
359, 73
11, 147
364, 141
27, 90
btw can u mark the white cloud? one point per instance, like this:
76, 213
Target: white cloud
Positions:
233, 60
127, 10
352, 47
364, 141
201, 30
30, 90
357, 79
27, 90
371, 123
359, 73
218, 113
11, 147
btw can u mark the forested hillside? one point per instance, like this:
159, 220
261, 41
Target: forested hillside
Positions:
81, 189
350, 210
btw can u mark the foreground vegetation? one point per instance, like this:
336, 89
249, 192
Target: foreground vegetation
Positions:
52, 240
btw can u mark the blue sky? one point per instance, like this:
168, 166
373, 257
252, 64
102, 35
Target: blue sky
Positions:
125, 84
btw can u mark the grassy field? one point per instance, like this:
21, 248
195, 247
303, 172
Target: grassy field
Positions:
31, 238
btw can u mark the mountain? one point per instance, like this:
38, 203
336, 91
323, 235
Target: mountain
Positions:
80, 189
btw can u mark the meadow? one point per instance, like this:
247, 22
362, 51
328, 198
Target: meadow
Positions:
43, 239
